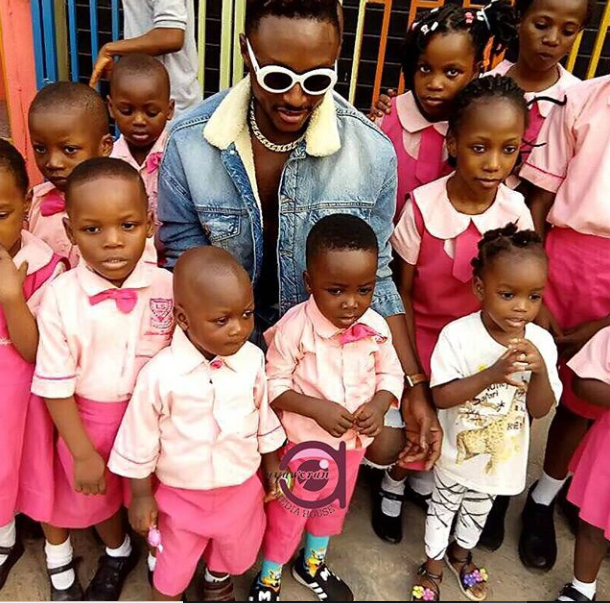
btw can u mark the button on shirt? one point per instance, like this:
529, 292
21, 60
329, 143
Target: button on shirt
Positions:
198, 424
96, 351
306, 355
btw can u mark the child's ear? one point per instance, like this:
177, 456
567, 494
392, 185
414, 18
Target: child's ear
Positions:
478, 69
150, 225
451, 144
478, 288
69, 231
307, 282
106, 145
110, 106
171, 109
27, 204
181, 318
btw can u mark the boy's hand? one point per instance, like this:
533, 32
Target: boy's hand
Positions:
143, 513
370, 417
89, 474
333, 418
273, 474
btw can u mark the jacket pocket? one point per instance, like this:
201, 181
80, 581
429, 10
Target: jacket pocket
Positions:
220, 225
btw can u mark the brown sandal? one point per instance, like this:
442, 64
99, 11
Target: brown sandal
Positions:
425, 593
468, 580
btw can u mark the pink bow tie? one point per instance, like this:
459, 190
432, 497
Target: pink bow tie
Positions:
357, 332
125, 299
218, 363
52, 204
153, 161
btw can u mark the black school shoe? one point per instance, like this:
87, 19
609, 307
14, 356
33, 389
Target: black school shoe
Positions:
75, 590
538, 543
13, 554
325, 584
386, 527
110, 577
262, 592
493, 533
572, 594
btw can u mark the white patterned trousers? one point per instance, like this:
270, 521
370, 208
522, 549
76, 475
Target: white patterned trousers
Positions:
451, 501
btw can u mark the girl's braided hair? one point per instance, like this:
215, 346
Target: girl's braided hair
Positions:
507, 239
495, 22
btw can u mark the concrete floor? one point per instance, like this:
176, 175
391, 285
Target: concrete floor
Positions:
376, 571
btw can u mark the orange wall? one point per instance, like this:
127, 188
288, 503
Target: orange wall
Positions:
19, 72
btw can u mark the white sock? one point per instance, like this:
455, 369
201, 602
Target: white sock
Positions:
588, 589
152, 562
392, 508
547, 489
422, 482
123, 551
8, 538
57, 556
209, 577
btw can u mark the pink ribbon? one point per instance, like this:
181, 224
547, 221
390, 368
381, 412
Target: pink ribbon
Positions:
52, 204
125, 299
217, 363
357, 332
153, 161
465, 249
430, 156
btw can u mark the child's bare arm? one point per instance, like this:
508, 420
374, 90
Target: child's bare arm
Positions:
330, 416
593, 391
143, 510
459, 391
540, 203
89, 466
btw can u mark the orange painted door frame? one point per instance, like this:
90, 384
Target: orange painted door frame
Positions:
17, 53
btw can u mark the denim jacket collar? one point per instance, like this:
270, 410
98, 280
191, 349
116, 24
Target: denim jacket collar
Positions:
230, 121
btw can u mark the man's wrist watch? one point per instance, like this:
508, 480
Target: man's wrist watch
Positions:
415, 379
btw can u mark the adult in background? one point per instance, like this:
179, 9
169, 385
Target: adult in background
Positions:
164, 29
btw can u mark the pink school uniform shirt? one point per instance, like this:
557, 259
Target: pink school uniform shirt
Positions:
49, 227
540, 109
419, 145
37, 254
445, 223
593, 360
149, 170
575, 161
93, 349
198, 424
306, 355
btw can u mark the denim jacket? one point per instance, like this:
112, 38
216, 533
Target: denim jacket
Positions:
208, 193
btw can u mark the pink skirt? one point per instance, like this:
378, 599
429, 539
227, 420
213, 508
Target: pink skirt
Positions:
578, 291
36, 479
225, 525
590, 489
13, 412
71, 509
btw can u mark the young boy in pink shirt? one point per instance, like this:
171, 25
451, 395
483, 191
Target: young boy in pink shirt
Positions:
200, 421
68, 124
140, 103
333, 374
99, 325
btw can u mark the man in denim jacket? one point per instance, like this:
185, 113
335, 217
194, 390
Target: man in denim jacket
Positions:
253, 168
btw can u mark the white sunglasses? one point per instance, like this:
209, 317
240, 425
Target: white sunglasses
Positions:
277, 79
